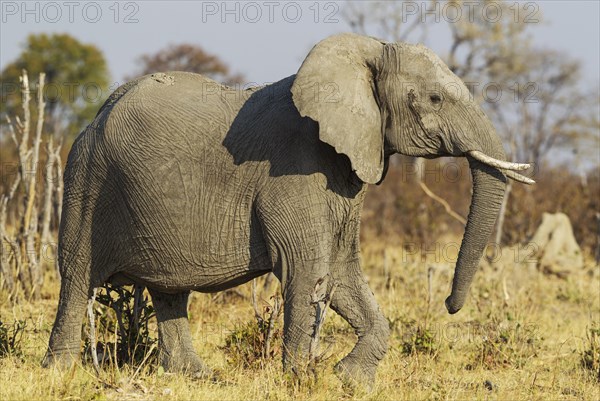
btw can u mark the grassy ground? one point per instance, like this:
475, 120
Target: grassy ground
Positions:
521, 335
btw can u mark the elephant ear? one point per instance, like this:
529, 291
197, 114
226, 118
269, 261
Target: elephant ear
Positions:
335, 87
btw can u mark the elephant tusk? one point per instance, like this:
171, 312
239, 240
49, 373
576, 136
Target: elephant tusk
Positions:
518, 177
501, 164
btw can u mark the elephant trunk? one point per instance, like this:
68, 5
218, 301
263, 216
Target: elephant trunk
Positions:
488, 191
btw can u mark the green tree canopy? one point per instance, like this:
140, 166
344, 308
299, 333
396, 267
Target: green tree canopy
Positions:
77, 80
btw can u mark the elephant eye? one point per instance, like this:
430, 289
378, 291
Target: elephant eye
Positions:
435, 99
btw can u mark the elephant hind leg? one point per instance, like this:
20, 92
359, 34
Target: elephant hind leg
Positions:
355, 302
75, 289
75, 264
174, 338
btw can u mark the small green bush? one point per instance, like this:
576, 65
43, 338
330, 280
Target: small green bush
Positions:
11, 337
248, 345
126, 312
590, 357
422, 341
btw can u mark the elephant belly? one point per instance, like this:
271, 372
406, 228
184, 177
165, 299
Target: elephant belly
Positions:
173, 280
203, 265
173, 277
179, 233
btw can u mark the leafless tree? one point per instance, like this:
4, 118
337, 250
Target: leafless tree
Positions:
24, 238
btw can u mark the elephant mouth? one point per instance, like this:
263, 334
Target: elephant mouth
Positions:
508, 168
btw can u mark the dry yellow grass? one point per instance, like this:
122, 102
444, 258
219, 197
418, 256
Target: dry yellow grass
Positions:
524, 346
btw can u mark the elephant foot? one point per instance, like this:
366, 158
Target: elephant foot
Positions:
356, 374
188, 364
62, 360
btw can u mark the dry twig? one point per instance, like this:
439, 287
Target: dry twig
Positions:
440, 200
92, 335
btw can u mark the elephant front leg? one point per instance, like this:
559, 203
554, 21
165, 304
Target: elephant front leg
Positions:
174, 339
300, 315
355, 302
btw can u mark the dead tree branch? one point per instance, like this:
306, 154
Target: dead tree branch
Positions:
441, 201
26, 240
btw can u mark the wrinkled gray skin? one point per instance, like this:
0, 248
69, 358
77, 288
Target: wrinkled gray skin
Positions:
180, 184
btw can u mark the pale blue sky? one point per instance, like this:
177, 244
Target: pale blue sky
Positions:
264, 51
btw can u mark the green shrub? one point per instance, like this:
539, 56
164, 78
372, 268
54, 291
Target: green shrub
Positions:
422, 341
126, 312
251, 343
11, 337
590, 357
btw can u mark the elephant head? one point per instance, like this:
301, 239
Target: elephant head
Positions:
372, 99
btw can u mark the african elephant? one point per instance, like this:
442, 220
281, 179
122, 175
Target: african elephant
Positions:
182, 184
